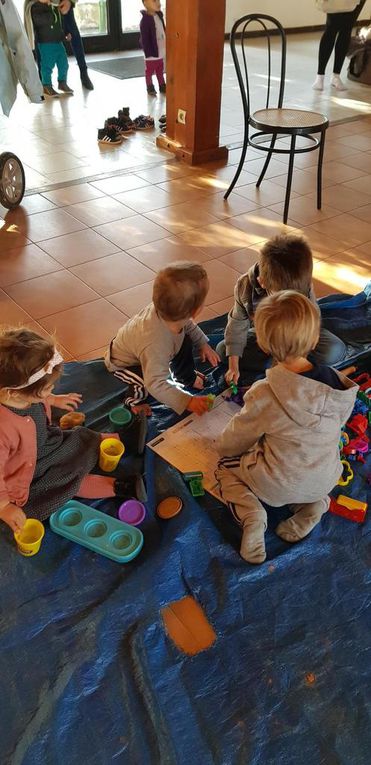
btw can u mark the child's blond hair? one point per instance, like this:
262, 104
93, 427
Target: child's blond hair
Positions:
180, 290
287, 325
286, 263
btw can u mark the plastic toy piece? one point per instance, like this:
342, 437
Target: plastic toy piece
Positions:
356, 445
363, 380
110, 453
348, 508
30, 537
347, 476
132, 511
359, 424
195, 483
344, 440
211, 398
233, 388
365, 399
169, 507
348, 371
71, 420
99, 532
120, 416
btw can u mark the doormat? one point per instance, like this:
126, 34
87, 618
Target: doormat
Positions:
122, 68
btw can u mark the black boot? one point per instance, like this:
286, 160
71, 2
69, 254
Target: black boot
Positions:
85, 80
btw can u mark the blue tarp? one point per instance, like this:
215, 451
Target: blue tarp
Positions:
88, 674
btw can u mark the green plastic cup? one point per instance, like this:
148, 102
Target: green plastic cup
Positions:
120, 416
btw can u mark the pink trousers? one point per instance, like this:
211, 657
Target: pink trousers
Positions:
154, 67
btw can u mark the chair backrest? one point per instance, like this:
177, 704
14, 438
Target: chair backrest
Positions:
239, 42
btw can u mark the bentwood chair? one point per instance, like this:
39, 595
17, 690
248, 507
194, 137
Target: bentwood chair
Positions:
274, 124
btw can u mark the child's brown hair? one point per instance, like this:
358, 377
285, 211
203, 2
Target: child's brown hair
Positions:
287, 325
286, 263
180, 290
22, 353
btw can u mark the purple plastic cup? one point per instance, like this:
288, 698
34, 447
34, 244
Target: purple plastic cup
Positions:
132, 511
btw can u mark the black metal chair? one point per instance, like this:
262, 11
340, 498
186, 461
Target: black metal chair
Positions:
272, 123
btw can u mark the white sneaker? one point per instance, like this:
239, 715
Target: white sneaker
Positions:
337, 83
319, 82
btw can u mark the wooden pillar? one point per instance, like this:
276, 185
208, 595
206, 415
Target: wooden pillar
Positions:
194, 65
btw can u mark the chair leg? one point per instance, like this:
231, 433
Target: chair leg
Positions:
319, 171
289, 178
267, 161
240, 166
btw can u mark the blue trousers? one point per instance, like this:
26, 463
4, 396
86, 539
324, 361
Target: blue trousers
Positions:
51, 55
70, 27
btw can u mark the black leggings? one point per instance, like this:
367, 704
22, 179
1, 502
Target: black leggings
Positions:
338, 28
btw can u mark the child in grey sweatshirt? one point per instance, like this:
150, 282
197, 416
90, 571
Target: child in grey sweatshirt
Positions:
282, 448
161, 339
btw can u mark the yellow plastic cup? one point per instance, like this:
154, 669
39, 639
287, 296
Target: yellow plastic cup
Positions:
29, 538
111, 451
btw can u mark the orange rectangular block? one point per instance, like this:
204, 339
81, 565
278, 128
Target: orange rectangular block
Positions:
187, 626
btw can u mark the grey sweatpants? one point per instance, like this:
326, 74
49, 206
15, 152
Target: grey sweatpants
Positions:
246, 508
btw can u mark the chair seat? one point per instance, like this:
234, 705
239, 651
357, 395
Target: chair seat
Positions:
288, 120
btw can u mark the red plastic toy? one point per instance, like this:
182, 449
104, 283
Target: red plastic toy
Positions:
348, 508
359, 424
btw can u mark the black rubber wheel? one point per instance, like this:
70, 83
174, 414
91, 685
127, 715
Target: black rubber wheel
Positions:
12, 180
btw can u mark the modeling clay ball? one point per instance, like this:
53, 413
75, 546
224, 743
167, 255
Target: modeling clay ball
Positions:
71, 420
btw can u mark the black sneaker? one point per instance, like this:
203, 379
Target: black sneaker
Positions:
86, 81
151, 90
49, 92
162, 120
163, 88
65, 88
108, 135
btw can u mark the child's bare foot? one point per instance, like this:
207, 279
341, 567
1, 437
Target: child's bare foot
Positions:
199, 381
145, 408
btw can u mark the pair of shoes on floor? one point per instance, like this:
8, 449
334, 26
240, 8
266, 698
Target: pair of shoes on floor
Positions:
162, 123
116, 128
63, 89
336, 82
151, 90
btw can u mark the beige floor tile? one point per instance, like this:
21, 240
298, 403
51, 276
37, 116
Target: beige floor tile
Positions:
119, 183
362, 142
55, 162
113, 273
79, 247
163, 252
259, 224
364, 213
337, 172
242, 260
346, 272
360, 184
179, 218
303, 211
221, 306
350, 230
166, 172
11, 236
303, 181
51, 223
98, 353
85, 327
132, 232
221, 208
267, 194
343, 198
217, 239
98, 211
132, 301
179, 191
364, 249
144, 200
222, 281
362, 160
34, 203
25, 263
11, 313
205, 315
49, 294
255, 167
71, 195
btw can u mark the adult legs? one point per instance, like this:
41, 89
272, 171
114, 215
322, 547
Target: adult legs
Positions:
245, 507
343, 39
70, 27
327, 41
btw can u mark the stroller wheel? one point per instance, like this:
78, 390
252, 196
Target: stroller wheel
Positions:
12, 180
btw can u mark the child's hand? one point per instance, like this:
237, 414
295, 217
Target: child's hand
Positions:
199, 405
13, 516
208, 354
68, 401
233, 375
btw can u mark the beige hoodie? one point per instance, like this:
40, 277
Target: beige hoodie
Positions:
288, 433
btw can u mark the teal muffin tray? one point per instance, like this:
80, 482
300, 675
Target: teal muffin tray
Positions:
97, 531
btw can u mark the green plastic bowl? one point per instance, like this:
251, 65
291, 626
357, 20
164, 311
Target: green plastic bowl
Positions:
120, 416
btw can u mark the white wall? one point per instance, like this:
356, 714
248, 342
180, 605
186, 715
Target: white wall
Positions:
291, 13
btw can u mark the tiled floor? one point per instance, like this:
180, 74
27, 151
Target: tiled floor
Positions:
79, 257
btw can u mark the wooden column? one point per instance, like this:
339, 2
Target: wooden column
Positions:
194, 65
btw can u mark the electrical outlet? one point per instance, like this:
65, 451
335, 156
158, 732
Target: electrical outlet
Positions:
182, 116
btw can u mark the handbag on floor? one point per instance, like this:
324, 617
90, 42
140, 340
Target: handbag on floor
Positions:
360, 57
336, 6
